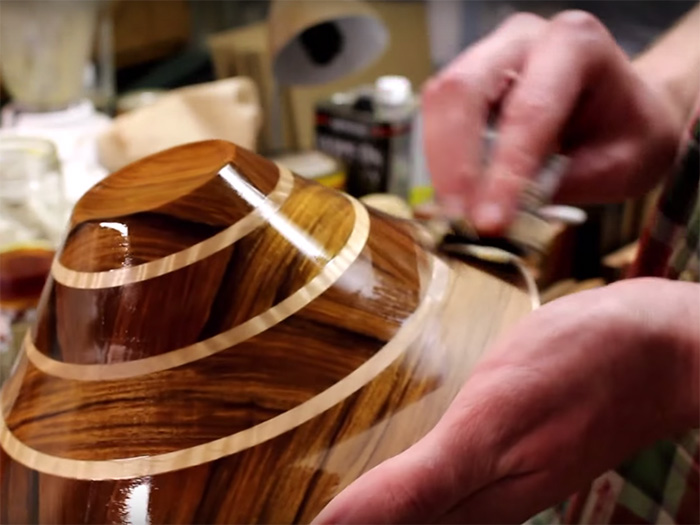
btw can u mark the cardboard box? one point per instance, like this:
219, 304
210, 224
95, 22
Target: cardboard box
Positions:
146, 31
245, 52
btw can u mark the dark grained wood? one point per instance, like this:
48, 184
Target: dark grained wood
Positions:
23, 272
100, 245
23, 484
258, 257
250, 384
213, 397
185, 184
111, 329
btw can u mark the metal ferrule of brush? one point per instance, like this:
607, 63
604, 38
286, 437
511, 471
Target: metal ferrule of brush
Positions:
541, 190
529, 230
529, 234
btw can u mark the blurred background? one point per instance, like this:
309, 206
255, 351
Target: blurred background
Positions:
328, 87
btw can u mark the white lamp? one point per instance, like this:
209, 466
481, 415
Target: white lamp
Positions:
314, 42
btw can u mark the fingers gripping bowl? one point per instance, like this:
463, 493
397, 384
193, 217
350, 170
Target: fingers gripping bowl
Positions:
222, 341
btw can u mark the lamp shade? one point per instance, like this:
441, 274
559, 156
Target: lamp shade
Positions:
314, 42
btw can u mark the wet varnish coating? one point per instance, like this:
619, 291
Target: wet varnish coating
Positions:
221, 341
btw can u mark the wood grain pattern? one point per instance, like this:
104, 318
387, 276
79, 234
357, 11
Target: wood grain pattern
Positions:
153, 245
247, 385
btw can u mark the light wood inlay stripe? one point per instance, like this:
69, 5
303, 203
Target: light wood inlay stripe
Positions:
319, 284
148, 466
178, 260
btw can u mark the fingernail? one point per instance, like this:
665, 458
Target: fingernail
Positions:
489, 217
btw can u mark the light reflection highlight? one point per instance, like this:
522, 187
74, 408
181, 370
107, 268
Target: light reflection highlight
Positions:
280, 222
120, 228
136, 503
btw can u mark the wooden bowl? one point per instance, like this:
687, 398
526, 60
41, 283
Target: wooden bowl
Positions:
222, 341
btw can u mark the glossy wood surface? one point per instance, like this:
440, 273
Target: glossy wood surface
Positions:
23, 272
223, 342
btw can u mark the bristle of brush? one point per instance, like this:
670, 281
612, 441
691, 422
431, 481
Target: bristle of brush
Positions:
532, 232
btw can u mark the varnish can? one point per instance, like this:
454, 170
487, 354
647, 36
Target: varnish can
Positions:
369, 129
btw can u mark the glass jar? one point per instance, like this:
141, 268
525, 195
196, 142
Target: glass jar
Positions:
45, 48
33, 212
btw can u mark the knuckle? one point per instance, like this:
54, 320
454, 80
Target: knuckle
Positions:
408, 501
526, 111
458, 83
666, 136
431, 89
578, 23
523, 18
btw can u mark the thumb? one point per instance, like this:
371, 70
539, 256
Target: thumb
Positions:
419, 485
409, 488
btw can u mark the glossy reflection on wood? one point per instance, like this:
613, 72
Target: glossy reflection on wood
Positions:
223, 342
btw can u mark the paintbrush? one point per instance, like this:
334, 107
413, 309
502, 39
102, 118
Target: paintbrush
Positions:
528, 235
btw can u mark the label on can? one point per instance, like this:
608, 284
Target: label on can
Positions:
376, 154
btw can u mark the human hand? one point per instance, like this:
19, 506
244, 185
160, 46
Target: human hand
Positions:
575, 389
556, 85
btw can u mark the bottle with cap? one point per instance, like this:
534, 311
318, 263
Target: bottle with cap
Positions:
396, 101
394, 97
396, 104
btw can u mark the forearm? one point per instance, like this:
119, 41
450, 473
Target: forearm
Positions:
672, 64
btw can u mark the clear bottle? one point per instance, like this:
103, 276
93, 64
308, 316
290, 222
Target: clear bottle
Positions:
33, 212
396, 104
